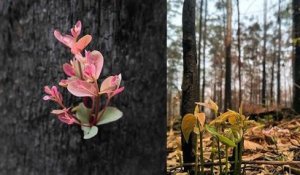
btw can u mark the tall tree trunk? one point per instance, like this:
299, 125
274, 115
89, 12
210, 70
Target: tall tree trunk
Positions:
221, 86
263, 94
272, 76
296, 21
228, 38
279, 54
239, 52
199, 46
131, 35
204, 55
190, 90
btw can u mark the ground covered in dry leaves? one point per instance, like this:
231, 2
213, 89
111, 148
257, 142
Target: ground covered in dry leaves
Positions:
274, 141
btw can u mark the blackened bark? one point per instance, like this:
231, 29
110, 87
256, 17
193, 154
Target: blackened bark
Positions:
199, 45
279, 55
263, 95
204, 53
131, 35
239, 51
190, 90
296, 21
227, 101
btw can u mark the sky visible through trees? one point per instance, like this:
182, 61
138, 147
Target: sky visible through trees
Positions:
252, 29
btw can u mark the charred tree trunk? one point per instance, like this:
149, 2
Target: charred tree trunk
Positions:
204, 53
263, 94
132, 37
199, 46
228, 38
279, 55
296, 21
272, 76
239, 52
190, 90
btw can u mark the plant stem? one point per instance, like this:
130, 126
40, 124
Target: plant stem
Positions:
103, 110
240, 158
80, 70
201, 153
97, 101
236, 156
196, 155
219, 155
212, 160
226, 159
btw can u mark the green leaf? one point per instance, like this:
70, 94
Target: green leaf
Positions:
222, 138
110, 114
89, 132
211, 130
187, 126
83, 113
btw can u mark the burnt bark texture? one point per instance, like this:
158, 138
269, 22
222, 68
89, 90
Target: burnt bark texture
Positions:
190, 89
131, 34
228, 39
296, 38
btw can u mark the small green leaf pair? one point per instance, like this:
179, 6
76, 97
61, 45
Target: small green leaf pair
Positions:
110, 114
222, 138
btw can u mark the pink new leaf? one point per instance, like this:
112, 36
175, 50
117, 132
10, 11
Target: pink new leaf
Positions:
111, 86
67, 40
64, 116
69, 69
95, 58
81, 88
52, 94
81, 44
75, 31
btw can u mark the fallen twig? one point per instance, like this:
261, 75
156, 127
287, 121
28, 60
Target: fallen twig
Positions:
258, 162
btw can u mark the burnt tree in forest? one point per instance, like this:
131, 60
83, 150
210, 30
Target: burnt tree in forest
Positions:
199, 45
131, 34
239, 50
279, 54
204, 53
228, 38
296, 37
263, 93
190, 90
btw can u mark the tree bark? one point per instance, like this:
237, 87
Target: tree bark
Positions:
190, 90
131, 35
199, 45
228, 38
239, 52
279, 55
296, 71
204, 53
272, 76
263, 94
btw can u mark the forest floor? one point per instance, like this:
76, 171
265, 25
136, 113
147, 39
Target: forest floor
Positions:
275, 141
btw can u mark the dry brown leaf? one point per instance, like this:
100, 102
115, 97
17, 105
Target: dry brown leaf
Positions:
252, 145
253, 156
295, 142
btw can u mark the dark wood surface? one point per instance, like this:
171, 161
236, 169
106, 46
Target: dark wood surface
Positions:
131, 34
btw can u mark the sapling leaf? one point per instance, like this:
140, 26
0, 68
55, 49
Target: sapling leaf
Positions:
187, 126
222, 138
196, 130
89, 132
110, 114
83, 113
209, 104
201, 118
197, 110
211, 130
232, 119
